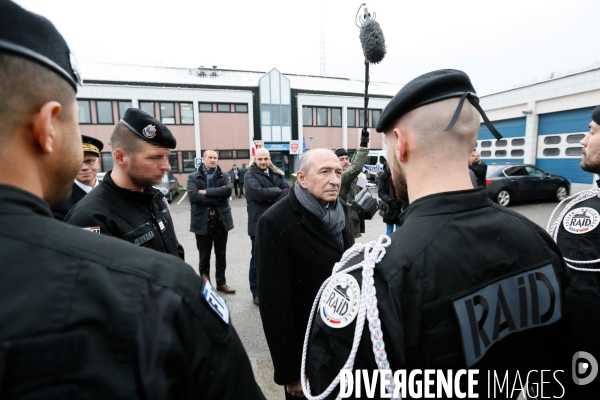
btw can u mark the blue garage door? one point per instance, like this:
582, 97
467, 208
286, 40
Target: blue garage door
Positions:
510, 148
558, 150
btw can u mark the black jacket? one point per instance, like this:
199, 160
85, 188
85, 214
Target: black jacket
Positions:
480, 170
142, 218
383, 192
262, 191
242, 173
452, 248
87, 316
216, 197
63, 209
294, 255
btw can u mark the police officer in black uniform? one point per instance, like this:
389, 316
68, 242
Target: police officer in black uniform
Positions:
87, 316
85, 180
577, 233
127, 206
465, 283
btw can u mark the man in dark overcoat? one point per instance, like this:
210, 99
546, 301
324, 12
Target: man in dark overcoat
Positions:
265, 186
209, 190
298, 240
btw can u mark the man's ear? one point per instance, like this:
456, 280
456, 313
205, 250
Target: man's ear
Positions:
401, 149
301, 178
119, 156
43, 129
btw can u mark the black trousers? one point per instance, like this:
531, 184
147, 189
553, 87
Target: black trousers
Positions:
236, 185
204, 243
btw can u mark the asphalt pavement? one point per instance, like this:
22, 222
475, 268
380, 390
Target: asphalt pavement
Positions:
244, 313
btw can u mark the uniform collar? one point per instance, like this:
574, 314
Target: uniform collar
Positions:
447, 203
19, 201
85, 187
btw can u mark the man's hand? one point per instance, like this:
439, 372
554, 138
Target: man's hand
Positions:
202, 192
295, 389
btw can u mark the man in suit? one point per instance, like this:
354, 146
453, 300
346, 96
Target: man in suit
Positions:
298, 240
85, 180
265, 186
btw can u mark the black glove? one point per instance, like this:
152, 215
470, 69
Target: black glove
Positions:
395, 203
364, 138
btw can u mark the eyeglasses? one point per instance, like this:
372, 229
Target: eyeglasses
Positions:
90, 161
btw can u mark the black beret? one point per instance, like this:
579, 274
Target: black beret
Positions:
427, 88
29, 35
92, 145
341, 152
148, 128
596, 115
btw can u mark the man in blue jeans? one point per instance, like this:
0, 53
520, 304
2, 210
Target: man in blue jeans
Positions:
265, 186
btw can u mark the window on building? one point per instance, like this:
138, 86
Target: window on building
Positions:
336, 117
186, 113
148, 107
225, 154
285, 115
486, 153
241, 108
307, 116
351, 117
361, 118
376, 115
85, 115
174, 161
517, 142
552, 140
265, 114
575, 138
500, 153
123, 106
486, 143
104, 112
206, 107
223, 107
107, 162
517, 153
501, 143
574, 151
321, 116
553, 152
167, 113
242, 154
275, 114
187, 159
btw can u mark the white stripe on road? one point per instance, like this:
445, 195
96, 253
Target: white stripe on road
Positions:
182, 197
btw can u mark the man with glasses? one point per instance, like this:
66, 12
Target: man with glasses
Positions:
85, 180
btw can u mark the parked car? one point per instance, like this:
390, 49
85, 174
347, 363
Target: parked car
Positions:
511, 182
169, 186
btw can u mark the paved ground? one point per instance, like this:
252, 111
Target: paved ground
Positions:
244, 313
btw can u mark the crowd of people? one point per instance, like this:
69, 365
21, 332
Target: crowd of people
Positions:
99, 303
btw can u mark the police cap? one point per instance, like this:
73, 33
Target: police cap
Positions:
429, 88
92, 145
341, 152
148, 128
596, 115
32, 36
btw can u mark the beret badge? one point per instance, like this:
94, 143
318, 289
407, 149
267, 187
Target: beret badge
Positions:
149, 131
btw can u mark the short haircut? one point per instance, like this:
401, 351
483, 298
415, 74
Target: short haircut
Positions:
305, 160
209, 151
25, 86
122, 138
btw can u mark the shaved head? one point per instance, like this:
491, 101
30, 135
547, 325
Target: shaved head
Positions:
262, 158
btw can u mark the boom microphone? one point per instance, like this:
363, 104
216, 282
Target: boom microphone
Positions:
372, 41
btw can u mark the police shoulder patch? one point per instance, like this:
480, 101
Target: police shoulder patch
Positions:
581, 220
340, 301
215, 301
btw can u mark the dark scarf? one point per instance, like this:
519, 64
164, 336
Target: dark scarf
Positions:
332, 217
210, 173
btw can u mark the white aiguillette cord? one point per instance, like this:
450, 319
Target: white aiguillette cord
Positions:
373, 253
554, 228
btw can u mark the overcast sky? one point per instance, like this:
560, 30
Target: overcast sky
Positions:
500, 44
